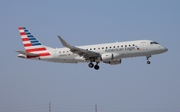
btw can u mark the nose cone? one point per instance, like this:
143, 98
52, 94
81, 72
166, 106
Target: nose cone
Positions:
164, 49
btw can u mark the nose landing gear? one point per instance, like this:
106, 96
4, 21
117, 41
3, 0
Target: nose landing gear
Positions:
147, 57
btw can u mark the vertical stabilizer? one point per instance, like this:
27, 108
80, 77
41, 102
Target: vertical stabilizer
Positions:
31, 44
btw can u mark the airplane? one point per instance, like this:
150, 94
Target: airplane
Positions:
109, 53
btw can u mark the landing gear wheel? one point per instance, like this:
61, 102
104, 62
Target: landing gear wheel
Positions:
96, 67
91, 65
148, 62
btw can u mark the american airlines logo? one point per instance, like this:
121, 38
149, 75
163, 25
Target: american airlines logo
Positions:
123, 49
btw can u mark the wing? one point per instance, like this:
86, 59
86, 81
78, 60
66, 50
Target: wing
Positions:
81, 52
28, 54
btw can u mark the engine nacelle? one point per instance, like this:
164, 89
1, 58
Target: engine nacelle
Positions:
114, 62
110, 56
107, 57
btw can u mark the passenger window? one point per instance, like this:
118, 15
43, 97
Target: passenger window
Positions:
117, 46
59, 51
102, 47
109, 47
125, 45
121, 45
94, 48
90, 49
63, 51
133, 44
106, 47
129, 45
114, 47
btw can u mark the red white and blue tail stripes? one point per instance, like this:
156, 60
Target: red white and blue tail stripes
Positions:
31, 44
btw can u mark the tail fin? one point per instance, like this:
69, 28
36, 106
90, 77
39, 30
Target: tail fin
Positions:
31, 44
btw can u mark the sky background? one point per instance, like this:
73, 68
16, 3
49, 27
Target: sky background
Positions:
132, 86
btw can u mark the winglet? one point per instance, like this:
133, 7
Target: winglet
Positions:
64, 43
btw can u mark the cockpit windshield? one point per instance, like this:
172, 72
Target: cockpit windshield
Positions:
154, 43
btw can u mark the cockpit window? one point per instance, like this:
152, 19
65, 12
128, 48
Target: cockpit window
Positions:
154, 43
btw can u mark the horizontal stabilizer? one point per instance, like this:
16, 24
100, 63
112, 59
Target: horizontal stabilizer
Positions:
28, 54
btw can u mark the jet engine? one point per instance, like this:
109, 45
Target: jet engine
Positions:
110, 56
107, 56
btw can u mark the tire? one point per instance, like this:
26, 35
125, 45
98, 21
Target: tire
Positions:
148, 62
91, 65
96, 67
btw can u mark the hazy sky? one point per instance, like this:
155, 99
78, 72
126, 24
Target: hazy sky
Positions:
133, 86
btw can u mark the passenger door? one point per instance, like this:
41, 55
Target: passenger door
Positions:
143, 45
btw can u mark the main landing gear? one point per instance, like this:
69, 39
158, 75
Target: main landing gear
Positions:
147, 57
91, 65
